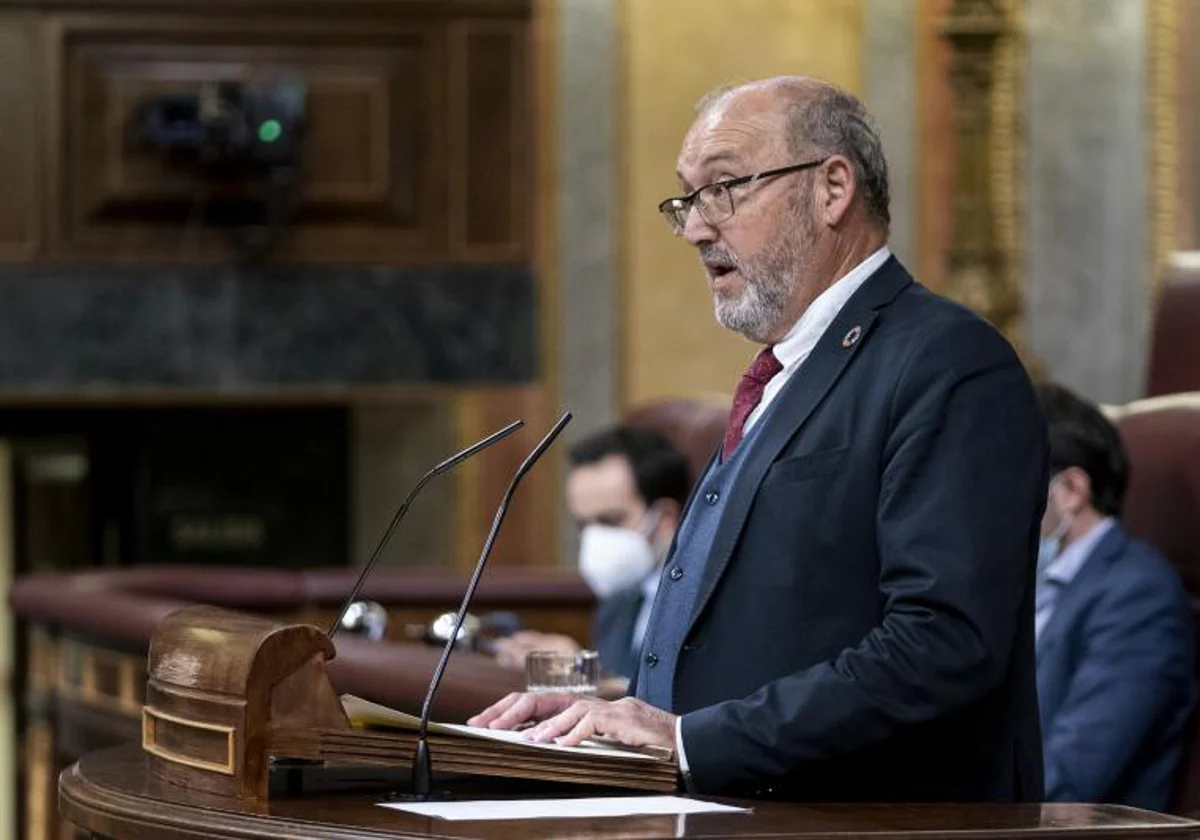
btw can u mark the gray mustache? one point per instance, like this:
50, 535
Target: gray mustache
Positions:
713, 254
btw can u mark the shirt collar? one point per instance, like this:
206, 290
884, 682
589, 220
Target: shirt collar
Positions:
811, 325
1066, 565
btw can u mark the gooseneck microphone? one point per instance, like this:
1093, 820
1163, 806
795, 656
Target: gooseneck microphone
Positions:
421, 773
445, 466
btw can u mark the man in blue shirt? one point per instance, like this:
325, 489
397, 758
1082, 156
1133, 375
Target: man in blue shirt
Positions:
1114, 635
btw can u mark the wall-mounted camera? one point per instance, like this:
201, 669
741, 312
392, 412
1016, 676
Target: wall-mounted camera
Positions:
250, 132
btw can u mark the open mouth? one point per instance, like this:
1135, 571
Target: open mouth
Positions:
717, 263
718, 270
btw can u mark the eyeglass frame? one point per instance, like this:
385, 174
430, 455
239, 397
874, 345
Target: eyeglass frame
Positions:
728, 184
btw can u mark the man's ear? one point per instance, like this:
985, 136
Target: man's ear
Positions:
835, 188
1076, 488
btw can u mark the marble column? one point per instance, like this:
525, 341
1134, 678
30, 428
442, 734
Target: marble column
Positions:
587, 192
889, 89
587, 184
1087, 258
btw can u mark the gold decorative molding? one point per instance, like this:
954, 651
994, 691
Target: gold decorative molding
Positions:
84, 671
1162, 49
39, 780
43, 661
188, 729
984, 260
1008, 155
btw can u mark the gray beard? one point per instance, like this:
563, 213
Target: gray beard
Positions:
770, 282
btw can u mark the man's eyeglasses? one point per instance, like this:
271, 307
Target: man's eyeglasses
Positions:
715, 200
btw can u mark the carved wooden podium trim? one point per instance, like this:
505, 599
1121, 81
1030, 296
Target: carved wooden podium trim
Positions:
240, 676
152, 745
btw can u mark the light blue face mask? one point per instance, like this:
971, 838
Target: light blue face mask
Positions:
1051, 545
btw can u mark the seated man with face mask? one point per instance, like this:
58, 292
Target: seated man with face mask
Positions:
625, 490
1114, 633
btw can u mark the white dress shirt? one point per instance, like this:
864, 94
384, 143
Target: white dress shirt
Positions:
642, 621
798, 344
1059, 573
791, 352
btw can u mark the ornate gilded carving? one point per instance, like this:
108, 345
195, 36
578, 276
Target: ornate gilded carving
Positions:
983, 259
1163, 79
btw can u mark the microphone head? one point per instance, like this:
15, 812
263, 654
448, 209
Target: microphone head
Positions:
367, 618
442, 627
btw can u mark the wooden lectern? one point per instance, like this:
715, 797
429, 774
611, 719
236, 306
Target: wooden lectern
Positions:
227, 693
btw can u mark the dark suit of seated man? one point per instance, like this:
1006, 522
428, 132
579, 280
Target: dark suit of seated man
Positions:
625, 489
1114, 633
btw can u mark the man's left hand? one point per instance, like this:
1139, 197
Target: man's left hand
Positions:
627, 721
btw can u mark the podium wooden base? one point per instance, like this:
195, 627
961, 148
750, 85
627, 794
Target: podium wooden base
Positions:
111, 794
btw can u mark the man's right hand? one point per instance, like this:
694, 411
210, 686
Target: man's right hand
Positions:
523, 707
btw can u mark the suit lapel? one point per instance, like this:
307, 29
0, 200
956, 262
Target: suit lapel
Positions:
805, 390
687, 505
1075, 594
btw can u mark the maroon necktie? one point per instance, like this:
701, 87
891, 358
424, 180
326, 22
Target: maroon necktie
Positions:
749, 394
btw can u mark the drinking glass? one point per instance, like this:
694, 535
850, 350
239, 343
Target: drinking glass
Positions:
553, 671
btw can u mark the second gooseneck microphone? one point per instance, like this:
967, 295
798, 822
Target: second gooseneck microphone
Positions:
421, 772
445, 466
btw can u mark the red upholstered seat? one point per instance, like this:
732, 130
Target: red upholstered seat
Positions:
1162, 506
694, 427
1175, 341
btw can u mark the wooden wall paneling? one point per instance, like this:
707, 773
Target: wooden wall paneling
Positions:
19, 142
419, 145
371, 91
491, 137
528, 536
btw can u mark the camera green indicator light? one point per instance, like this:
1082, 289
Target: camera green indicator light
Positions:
269, 131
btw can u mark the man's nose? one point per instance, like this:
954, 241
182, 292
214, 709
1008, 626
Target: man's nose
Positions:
696, 229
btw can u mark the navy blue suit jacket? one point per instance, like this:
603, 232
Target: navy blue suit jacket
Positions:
1115, 678
864, 628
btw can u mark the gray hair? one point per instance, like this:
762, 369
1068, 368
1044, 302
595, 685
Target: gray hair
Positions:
835, 122
825, 120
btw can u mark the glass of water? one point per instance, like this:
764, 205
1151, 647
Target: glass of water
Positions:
551, 671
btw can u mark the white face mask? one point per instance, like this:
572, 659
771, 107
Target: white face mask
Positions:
612, 559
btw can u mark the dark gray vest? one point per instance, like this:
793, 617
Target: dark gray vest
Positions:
682, 572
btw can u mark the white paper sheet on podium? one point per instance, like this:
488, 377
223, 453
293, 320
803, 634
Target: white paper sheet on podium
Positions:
597, 806
365, 710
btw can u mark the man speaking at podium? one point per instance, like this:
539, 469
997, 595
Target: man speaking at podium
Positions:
847, 610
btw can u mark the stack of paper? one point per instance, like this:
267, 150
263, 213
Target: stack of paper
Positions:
384, 736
